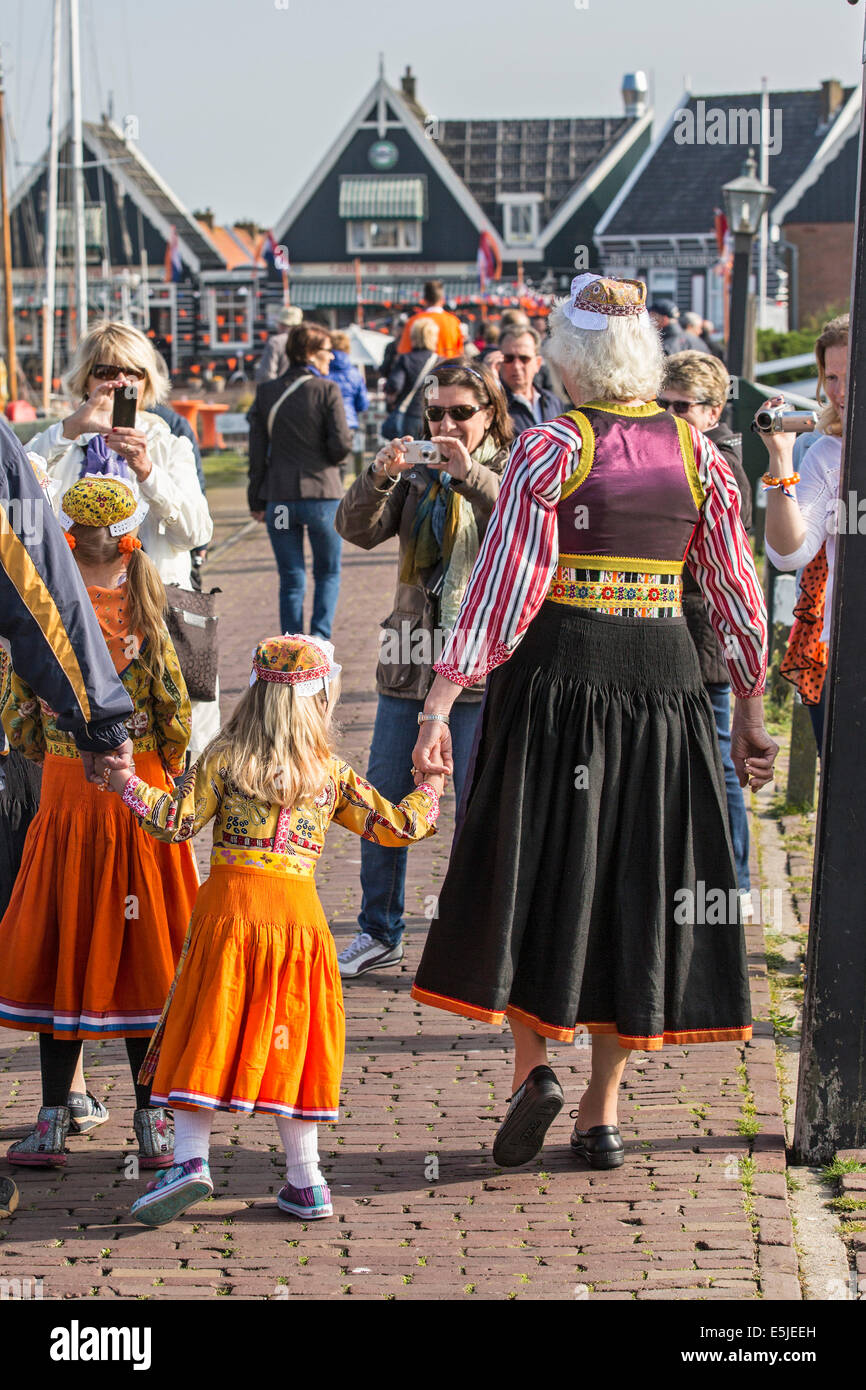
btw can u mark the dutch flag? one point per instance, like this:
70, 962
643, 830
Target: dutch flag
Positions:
489, 260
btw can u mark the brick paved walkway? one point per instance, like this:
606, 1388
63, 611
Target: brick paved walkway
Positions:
698, 1211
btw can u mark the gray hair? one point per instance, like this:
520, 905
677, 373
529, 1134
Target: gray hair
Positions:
519, 330
692, 320
623, 362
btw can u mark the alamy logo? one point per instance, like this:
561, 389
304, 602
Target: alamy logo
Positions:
720, 907
77, 1343
23, 515
732, 125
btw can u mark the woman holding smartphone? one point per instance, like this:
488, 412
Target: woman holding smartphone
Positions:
440, 514
113, 358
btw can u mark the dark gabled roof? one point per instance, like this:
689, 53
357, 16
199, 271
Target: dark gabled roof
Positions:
527, 156
833, 196
680, 185
144, 179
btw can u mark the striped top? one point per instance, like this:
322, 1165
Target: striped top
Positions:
519, 555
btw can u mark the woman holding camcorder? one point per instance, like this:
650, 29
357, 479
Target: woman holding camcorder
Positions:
804, 515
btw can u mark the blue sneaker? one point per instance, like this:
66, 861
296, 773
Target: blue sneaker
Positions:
307, 1203
173, 1191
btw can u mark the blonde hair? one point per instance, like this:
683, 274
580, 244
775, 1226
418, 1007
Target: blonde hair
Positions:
833, 334
148, 604
277, 746
622, 362
341, 341
701, 375
118, 343
424, 333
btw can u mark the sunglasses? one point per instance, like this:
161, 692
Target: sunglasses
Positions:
457, 412
517, 357
107, 371
679, 407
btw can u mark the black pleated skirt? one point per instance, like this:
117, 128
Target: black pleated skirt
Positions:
19, 802
591, 885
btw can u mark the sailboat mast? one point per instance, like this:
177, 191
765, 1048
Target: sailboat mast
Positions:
77, 171
11, 364
50, 301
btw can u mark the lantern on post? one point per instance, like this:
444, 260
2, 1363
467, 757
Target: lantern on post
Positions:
746, 201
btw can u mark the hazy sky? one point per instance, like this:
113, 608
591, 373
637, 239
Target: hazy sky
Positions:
238, 99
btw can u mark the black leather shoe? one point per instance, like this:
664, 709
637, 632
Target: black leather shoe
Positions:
531, 1111
601, 1145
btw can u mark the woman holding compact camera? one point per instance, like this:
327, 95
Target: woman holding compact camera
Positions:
439, 509
802, 518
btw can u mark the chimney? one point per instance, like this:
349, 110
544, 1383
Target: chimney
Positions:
407, 84
634, 94
831, 100
205, 216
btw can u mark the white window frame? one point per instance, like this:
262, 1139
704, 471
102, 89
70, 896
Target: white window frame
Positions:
662, 284
234, 345
409, 236
511, 201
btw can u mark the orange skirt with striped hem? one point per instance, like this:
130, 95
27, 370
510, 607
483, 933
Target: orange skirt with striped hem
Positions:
95, 925
650, 1043
255, 1021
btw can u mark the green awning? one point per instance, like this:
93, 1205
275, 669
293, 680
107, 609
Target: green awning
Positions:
323, 294
381, 197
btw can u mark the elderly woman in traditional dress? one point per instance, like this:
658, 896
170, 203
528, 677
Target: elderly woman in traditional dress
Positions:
112, 356
591, 886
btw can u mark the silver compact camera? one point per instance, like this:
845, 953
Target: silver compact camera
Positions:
421, 451
772, 419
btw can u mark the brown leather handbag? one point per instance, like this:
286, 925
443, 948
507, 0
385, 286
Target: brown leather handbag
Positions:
192, 626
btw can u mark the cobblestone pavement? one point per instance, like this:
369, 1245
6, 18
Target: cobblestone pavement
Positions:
698, 1211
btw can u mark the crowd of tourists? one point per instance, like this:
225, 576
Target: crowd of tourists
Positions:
578, 641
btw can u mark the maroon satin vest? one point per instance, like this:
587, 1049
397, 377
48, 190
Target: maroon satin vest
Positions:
635, 495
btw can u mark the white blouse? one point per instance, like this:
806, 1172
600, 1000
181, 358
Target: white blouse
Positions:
178, 520
817, 494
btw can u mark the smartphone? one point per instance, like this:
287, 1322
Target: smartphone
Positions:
125, 407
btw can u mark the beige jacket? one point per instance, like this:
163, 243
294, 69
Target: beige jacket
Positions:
409, 642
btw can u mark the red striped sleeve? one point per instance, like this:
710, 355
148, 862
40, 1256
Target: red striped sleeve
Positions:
519, 553
720, 558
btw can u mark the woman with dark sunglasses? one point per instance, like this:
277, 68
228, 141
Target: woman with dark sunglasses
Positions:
440, 514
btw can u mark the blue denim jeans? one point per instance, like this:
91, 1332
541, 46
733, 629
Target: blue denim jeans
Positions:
720, 696
285, 522
383, 871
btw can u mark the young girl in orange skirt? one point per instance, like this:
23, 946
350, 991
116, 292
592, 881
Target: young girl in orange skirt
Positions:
255, 1019
96, 920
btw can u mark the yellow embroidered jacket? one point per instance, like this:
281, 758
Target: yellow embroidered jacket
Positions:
280, 839
160, 722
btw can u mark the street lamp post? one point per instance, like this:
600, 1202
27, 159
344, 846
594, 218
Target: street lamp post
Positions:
746, 201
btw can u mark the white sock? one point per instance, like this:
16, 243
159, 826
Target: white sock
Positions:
300, 1141
192, 1134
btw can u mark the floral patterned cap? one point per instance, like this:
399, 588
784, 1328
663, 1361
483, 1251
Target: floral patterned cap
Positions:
595, 299
305, 663
96, 500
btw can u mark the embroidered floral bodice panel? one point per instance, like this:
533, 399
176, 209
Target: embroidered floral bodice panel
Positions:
160, 721
248, 833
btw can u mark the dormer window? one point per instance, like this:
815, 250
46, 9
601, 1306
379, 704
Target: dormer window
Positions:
520, 218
